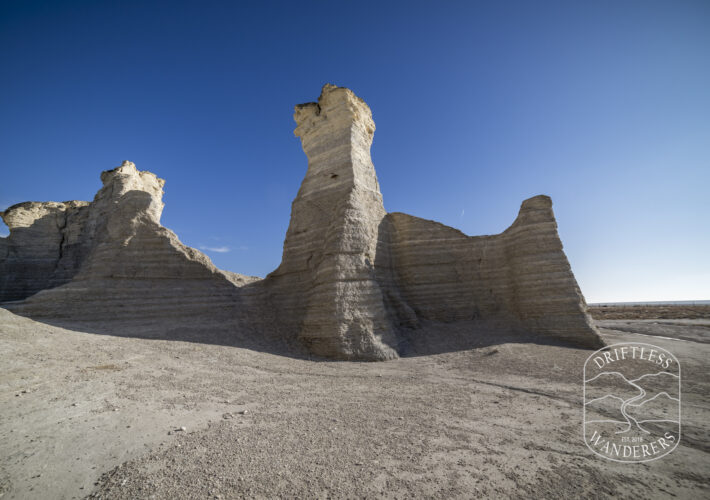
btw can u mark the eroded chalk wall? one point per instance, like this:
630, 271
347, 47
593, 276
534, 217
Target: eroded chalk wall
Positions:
45, 247
520, 276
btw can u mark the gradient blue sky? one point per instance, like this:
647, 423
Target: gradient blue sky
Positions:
604, 106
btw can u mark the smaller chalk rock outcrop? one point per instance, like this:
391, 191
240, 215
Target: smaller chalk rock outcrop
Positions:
519, 280
109, 259
44, 248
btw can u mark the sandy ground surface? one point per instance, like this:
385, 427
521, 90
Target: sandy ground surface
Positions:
85, 414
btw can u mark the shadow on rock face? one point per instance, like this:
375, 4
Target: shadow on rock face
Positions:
434, 337
43, 250
177, 312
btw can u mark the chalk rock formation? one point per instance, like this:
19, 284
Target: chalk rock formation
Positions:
353, 277
44, 249
520, 277
111, 257
326, 286
354, 281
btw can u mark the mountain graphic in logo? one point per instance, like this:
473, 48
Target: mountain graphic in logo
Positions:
632, 402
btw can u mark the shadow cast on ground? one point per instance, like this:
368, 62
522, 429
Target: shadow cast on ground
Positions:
429, 338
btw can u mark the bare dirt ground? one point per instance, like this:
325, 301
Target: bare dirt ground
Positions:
84, 414
650, 312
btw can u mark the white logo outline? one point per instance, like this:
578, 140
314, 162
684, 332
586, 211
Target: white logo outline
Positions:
632, 382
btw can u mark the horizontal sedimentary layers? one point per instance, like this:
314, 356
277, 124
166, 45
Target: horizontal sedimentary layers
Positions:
444, 275
546, 296
45, 248
125, 267
326, 287
520, 277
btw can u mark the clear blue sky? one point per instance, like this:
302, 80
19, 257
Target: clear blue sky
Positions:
604, 106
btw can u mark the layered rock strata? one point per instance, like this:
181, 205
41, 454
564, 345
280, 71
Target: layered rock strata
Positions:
353, 281
109, 259
326, 287
520, 277
45, 248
